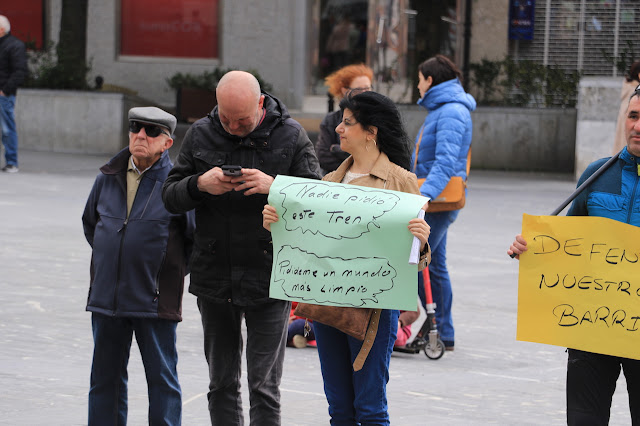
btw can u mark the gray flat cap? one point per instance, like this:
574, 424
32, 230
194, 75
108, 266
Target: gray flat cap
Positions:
153, 115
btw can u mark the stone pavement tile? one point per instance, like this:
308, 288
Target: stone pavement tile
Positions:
490, 378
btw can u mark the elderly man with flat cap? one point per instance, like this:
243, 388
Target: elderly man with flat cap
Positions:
231, 268
138, 263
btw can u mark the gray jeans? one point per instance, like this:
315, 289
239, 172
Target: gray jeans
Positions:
266, 341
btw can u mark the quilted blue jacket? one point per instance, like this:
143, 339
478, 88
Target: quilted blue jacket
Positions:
446, 136
615, 194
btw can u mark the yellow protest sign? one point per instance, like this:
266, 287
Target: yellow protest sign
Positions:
579, 284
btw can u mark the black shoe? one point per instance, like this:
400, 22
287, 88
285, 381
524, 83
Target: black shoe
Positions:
10, 168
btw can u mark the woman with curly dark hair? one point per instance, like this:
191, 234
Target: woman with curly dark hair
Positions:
356, 375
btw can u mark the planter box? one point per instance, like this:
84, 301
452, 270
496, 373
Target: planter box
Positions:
73, 121
193, 104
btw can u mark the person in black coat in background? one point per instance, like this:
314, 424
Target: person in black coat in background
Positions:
351, 79
13, 71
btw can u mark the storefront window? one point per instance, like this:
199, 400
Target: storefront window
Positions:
343, 34
390, 36
26, 19
436, 30
169, 28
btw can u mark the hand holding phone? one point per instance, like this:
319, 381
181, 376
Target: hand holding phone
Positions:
230, 170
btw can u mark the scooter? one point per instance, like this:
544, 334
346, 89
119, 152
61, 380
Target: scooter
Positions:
427, 339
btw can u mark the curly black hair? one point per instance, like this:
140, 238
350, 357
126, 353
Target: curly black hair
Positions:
372, 109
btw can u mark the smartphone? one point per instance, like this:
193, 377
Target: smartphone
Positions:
230, 170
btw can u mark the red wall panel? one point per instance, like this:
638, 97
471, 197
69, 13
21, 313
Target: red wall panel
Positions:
26, 19
188, 28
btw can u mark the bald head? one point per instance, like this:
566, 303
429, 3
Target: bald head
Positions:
239, 102
5, 26
239, 83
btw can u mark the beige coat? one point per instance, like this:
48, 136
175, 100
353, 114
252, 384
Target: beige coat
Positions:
384, 175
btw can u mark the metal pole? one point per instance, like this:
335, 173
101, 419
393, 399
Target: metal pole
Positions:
581, 28
547, 33
467, 45
582, 187
616, 38
586, 183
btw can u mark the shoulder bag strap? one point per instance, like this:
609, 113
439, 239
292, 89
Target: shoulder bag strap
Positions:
415, 161
367, 343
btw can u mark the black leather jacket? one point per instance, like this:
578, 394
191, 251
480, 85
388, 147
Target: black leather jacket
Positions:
233, 253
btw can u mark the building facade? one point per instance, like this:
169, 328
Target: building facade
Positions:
294, 44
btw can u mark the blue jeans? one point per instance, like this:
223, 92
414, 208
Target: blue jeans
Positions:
112, 342
439, 274
266, 342
357, 398
9, 132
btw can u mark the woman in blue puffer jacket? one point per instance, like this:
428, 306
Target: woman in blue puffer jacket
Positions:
441, 152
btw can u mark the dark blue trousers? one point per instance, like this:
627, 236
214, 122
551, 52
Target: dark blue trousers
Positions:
357, 398
112, 342
9, 132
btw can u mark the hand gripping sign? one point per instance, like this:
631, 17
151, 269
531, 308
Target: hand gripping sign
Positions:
342, 245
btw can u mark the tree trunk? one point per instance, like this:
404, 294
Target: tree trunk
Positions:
72, 46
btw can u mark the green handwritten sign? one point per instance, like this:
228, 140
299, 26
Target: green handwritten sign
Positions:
342, 245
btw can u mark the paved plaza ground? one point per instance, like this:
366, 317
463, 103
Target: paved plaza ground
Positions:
490, 378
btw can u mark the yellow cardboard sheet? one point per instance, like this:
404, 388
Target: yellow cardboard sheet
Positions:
579, 284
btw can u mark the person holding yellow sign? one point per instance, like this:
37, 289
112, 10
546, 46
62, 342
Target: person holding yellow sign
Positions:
591, 377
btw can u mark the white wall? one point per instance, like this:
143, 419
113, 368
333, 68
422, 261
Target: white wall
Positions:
598, 106
523, 139
73, 121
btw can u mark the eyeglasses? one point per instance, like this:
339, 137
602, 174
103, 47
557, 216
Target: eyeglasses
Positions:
349, 121
150, 129
356, 90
